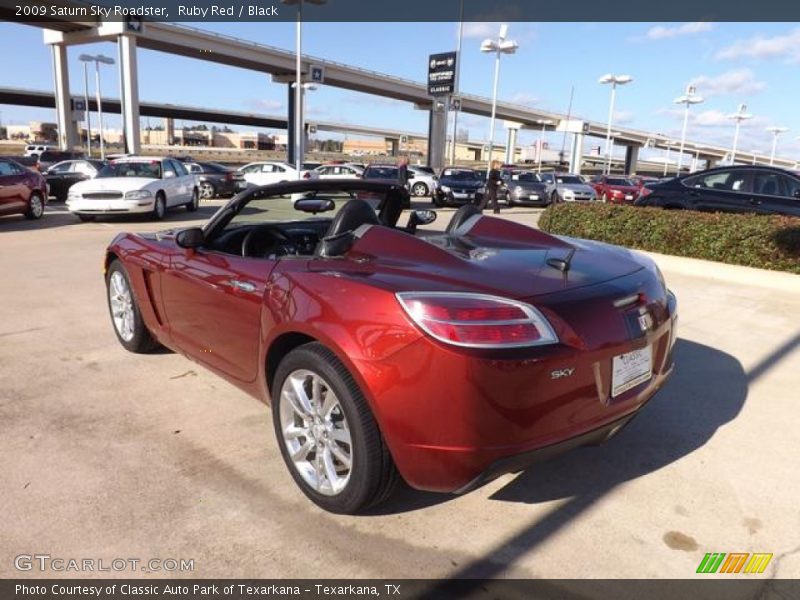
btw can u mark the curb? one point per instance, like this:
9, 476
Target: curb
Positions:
706, 269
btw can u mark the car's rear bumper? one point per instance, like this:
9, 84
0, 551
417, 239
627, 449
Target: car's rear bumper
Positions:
455, 419
109, 207
519, 462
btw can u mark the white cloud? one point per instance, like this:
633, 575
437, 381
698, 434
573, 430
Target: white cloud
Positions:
660, 32
257, 104
520, 32
371, 100
785, 46
711, 119
481, 30
524, 98
741, 82
623, 117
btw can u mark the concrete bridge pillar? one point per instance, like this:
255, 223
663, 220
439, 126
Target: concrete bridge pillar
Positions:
511, 141
631, 159
576, 154
67, 133
129, 84
437, 135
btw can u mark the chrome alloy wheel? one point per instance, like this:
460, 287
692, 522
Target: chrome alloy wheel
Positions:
206, 190
37, 206
315, 432
121, 300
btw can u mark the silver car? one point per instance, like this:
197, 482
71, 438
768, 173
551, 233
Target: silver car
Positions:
566, 187
422, 181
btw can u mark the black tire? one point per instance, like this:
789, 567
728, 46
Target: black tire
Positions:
554, 199
194, 203
36, 207
86, 218
373, 475
437, 202
142, 341
159, 207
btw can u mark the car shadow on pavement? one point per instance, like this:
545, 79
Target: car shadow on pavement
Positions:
707, 389
51, 219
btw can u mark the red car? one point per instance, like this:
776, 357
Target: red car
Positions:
446, 359
22, 191
619, 190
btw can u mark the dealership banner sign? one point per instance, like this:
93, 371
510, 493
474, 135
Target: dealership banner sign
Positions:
442, 73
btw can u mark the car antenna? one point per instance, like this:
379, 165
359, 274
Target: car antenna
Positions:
562, 264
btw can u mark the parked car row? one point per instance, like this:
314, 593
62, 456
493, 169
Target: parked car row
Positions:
131, 184
22, 190
761, 190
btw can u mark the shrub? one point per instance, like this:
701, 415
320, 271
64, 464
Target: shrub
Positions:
763, 241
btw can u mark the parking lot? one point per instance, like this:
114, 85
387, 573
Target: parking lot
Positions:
109, 454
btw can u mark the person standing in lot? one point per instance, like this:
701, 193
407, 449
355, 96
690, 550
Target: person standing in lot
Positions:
493, 183
402, 171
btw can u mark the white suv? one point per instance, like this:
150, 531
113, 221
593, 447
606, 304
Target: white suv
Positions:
36, 149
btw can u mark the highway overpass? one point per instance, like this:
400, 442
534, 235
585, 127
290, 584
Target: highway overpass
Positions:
228, 50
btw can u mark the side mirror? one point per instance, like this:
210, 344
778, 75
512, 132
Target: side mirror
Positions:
424, 217
420, 217
190, 238
314, 205
169, 174
796, 194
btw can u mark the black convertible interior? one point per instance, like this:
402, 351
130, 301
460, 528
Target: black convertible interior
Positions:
320, 236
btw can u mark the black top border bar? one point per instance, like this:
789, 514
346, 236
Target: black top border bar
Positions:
79, 11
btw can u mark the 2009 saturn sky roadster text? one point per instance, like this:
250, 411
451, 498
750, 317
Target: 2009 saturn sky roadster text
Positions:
445, 358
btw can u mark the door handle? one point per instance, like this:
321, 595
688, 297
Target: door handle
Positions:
244, 286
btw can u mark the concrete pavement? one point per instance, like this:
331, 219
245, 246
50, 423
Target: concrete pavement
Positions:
107, 454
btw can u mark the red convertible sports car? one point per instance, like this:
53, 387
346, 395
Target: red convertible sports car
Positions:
446, 358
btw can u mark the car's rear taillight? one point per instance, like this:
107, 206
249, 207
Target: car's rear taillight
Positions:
306, 174
477, 320
229, 176
645, 191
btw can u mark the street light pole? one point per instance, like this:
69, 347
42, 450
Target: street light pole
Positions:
87, 58
614, 80
99, 108
87, 111
298, 90
607, 162
544, 123
499, 46
687, 100
456, 109
775, 131
740, 115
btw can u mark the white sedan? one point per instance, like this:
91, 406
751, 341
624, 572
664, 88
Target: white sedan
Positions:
339, 171
135, 185
267, 172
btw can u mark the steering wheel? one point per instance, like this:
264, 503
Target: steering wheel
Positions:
277, 239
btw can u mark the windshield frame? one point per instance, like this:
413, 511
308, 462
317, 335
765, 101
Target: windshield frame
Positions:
110, 171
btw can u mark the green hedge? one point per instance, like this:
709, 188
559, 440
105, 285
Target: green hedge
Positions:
766, 242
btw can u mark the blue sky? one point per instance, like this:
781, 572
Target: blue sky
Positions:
729, 62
